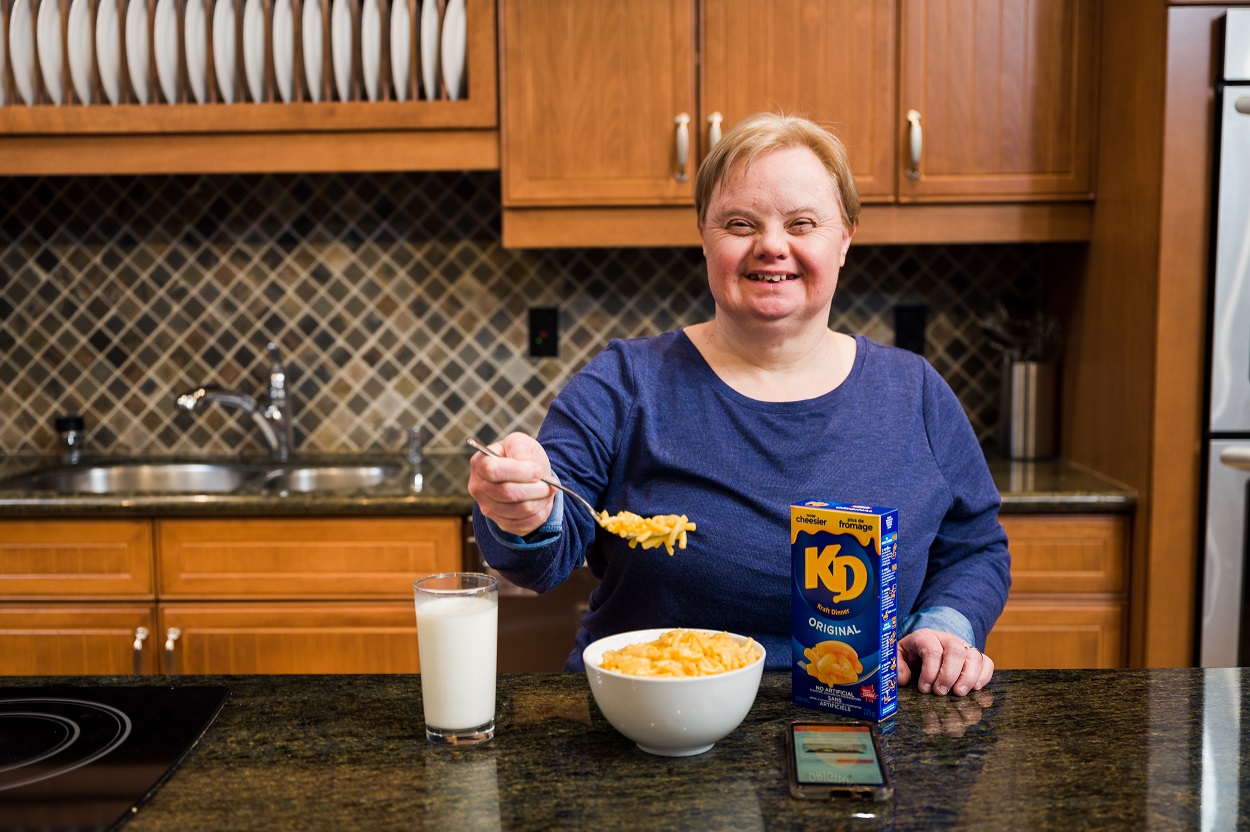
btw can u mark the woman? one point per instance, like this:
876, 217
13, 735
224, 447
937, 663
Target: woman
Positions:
732, 420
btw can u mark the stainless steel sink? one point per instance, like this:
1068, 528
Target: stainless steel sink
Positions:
149, 478
328, 477
202, 478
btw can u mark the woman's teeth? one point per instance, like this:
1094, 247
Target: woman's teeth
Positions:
772, 278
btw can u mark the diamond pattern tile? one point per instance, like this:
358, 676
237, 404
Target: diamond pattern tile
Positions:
390, 297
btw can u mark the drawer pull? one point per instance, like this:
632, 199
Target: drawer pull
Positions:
713, 129
915, 136
171, 637
141, 635
683, 147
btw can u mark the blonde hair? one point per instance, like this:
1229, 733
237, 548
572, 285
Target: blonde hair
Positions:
764, 132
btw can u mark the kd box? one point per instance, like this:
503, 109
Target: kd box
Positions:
844, 613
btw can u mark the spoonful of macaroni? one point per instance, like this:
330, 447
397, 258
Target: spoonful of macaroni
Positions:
667, 530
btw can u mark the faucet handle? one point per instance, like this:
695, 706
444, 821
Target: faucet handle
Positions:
277, 374
414, 446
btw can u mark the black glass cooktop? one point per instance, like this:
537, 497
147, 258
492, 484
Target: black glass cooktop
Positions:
81, 757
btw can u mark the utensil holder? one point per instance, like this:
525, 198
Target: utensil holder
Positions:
1027, 412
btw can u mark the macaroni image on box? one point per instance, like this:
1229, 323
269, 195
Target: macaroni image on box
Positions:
844, 613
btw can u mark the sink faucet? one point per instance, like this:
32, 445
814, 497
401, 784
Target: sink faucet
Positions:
273, 418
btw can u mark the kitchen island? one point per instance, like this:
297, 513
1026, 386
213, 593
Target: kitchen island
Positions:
1036, 750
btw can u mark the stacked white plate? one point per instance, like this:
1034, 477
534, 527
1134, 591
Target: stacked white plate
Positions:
51, 50
371, 47
254, 48
165, 44
314, 61
22, 49
108, 50
341, 47
455, 31
430, 24
401, 49
225, 30
137, 50
195, 30
81, 50
284, 49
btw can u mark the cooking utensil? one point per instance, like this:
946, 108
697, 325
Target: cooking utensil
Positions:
667, 530
478, 446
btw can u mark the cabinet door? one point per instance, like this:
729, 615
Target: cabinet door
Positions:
591, 94
76, 559
829, 60
290, 637
307, 558
1005, 95
1067, 553
77, 640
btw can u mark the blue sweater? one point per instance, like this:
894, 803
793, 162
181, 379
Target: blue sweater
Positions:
648, 427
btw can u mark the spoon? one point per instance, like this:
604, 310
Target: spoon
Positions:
478, 446
666, 531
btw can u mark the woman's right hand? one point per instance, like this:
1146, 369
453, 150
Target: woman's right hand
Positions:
509, 491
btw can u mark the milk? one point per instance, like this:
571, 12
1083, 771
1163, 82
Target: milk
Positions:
456, 638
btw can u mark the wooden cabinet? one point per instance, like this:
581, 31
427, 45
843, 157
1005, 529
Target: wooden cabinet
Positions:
1004, 91
179, 135
1068, 602
1002, 96
234, 595
77, 595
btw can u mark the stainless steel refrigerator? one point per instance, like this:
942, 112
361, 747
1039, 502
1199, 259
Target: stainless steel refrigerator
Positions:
1225, 624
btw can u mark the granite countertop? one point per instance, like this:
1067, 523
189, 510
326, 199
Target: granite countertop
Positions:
1035, 750
1044, 486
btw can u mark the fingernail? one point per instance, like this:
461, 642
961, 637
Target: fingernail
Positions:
940, 691
925, 688
961, 690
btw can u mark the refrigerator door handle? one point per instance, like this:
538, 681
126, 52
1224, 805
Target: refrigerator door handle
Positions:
1237, 456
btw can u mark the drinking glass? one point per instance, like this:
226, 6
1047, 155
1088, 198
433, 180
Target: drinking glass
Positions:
457, 634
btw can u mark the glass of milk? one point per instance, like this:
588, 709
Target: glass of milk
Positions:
457, 629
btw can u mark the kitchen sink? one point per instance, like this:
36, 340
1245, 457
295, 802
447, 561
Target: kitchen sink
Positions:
202, 478
328, 477
146, 478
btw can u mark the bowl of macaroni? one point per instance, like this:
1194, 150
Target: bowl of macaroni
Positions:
674, 692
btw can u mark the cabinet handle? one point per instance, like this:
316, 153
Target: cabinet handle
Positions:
141, 635
713, 129
171, 635
683, 147
915, 137
1237, 457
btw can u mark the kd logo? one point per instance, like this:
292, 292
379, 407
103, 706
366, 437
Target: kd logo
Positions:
825, 565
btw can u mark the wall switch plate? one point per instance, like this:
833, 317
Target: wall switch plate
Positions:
909, 326
544, 331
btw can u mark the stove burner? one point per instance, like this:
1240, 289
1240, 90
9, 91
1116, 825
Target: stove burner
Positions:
82, 758
65, 714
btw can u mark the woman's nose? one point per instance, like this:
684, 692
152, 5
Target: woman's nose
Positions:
771, 242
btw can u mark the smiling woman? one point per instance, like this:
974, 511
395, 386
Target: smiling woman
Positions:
732, 420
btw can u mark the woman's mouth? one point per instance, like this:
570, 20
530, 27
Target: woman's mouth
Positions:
761, 277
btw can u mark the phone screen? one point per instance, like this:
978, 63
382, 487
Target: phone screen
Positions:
830, 760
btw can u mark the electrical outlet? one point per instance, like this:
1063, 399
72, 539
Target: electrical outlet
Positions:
544, 331
909, 326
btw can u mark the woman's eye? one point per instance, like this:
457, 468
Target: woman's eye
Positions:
739, 226
802, 225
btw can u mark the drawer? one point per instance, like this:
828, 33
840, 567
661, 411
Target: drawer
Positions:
304, 558
43, 559
1044, 633
1067, 553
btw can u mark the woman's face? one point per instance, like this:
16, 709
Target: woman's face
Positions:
774, 240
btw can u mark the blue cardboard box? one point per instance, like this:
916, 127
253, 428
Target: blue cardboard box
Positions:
844, 610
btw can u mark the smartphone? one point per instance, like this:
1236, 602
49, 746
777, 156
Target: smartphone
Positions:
829, 760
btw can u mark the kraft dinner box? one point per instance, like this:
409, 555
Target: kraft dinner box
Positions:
843, 604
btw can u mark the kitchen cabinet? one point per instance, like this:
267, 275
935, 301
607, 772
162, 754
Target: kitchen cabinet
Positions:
1000, 97
1068, 604
264, 133
78, 597
591, 132
234, 595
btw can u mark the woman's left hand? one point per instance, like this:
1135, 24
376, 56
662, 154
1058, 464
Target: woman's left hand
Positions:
942, 663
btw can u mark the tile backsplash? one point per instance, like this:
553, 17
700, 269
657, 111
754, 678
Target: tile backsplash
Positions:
391, 299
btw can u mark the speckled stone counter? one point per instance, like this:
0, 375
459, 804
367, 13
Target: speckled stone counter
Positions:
1045, 486
1036, 750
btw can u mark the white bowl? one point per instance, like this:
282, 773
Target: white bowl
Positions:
671, 717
